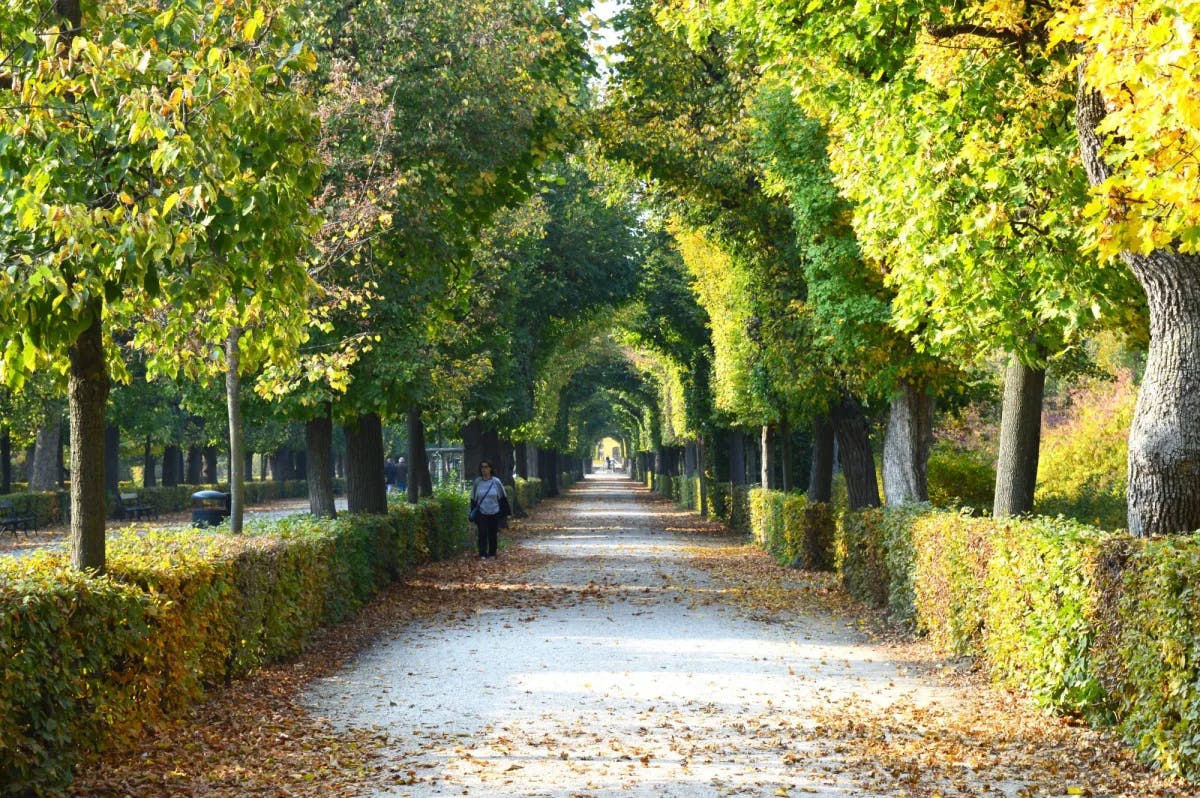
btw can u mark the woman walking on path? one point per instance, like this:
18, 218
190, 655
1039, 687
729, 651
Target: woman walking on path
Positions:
487, 500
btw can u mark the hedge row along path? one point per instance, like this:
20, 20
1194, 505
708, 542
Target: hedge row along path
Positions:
619, 646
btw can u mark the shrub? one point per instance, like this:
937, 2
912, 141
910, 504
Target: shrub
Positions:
861, 557
1083, 462
1155, 667
961, 478
1038, 626
951, 552
87, 661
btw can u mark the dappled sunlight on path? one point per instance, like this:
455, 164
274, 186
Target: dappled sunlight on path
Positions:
638, 661
617, 647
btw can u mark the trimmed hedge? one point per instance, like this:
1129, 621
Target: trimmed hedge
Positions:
50, 508
1087, 622
85, 663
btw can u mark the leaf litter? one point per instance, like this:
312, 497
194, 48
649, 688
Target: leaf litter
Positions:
255, 738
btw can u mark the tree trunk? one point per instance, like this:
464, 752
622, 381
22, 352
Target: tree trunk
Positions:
1164, 438
237, 445
548, 467
505, 461
906, 445
44, 474
112, 460
767, 460
149, 480
1020, 439
248, 466
703, 481
6, 462
195, 466
858, 461
785, 455
87, 389
820, 477
737, 457
318, 438
365, 489
533, 461
171, 471
210, 464
419, 481
522, 458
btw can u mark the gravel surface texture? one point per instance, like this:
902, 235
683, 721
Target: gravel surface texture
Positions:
621, 668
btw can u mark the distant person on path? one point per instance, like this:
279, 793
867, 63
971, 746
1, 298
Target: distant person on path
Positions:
608, 463
486, 496
401, 476
389, 475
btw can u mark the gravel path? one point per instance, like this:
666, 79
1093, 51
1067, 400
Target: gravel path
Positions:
619, 667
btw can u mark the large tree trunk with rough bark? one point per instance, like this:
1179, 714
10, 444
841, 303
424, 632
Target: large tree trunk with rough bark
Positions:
820, 475
365, 489
906, 445
419, 482
318, 438
858, 461
87, 390
44, 474
1164, 438
1020, 439
237, 441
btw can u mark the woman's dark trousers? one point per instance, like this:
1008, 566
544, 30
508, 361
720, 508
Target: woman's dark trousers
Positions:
489, 529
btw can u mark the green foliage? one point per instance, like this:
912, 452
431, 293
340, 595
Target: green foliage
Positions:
790, 529
1152, 663
88, 661
951, 554
1084, 462
1038, 625
961, 478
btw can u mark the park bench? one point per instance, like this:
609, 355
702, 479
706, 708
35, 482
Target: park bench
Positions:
14, 520
135, 508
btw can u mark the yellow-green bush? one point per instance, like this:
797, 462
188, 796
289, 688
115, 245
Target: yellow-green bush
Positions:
961, 478
529, 491
85, 662
951, 552
791, 530
1038, 625
1151, 659
1082, 469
